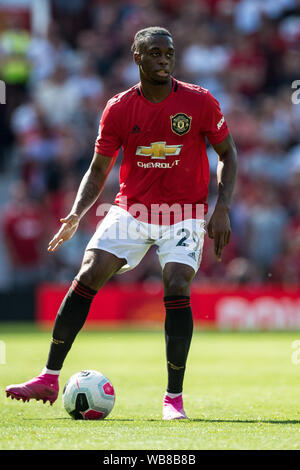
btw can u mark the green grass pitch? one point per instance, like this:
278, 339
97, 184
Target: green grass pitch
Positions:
242, 391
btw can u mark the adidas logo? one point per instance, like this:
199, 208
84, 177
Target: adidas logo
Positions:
135, 129
192, 255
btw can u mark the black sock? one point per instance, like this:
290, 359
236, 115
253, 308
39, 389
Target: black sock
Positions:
70, 319
178, 335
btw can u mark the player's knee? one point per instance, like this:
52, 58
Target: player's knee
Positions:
177, 279
177, 285
97, 268
87, 278
88, 274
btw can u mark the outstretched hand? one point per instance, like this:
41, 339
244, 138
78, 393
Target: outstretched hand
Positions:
219, 229
67, 230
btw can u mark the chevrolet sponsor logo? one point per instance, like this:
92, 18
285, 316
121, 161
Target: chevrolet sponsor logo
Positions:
159, 150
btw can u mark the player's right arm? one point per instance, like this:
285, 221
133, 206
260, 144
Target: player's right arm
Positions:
107, 145
89, 190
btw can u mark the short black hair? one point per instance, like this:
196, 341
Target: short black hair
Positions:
145, 33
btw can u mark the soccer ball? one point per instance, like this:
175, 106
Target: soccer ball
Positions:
88, 395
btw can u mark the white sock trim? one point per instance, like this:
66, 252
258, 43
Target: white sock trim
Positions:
50, 371
172, 395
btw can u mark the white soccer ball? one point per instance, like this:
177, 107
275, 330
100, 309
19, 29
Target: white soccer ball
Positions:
88, 395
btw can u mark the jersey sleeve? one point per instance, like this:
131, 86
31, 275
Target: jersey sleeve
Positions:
109, 141
215, 126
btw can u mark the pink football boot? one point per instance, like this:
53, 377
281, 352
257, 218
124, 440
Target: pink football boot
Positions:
173, 408
43, 387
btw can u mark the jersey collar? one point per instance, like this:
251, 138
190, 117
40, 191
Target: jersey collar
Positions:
174, 90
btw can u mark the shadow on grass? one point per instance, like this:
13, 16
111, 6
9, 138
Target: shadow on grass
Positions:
216, 421
245, 421
186, 421
83, 420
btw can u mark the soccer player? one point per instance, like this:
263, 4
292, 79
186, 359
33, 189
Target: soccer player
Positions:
161, 124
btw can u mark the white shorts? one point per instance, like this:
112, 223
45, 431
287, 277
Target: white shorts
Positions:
124, 236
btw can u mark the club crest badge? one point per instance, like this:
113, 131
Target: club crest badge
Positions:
181, 123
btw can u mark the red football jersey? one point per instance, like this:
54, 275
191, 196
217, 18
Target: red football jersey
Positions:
164, 148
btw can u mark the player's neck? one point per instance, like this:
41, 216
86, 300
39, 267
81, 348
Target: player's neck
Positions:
156, 92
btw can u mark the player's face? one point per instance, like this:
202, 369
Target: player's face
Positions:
156, 59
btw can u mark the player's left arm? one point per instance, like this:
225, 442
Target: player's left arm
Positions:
219, 225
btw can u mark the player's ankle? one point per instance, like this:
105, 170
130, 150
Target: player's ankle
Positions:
173, 395
54, 373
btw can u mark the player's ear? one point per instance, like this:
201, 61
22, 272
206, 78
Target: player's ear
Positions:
137, 58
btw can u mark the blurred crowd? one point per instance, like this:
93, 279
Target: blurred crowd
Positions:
246, 52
